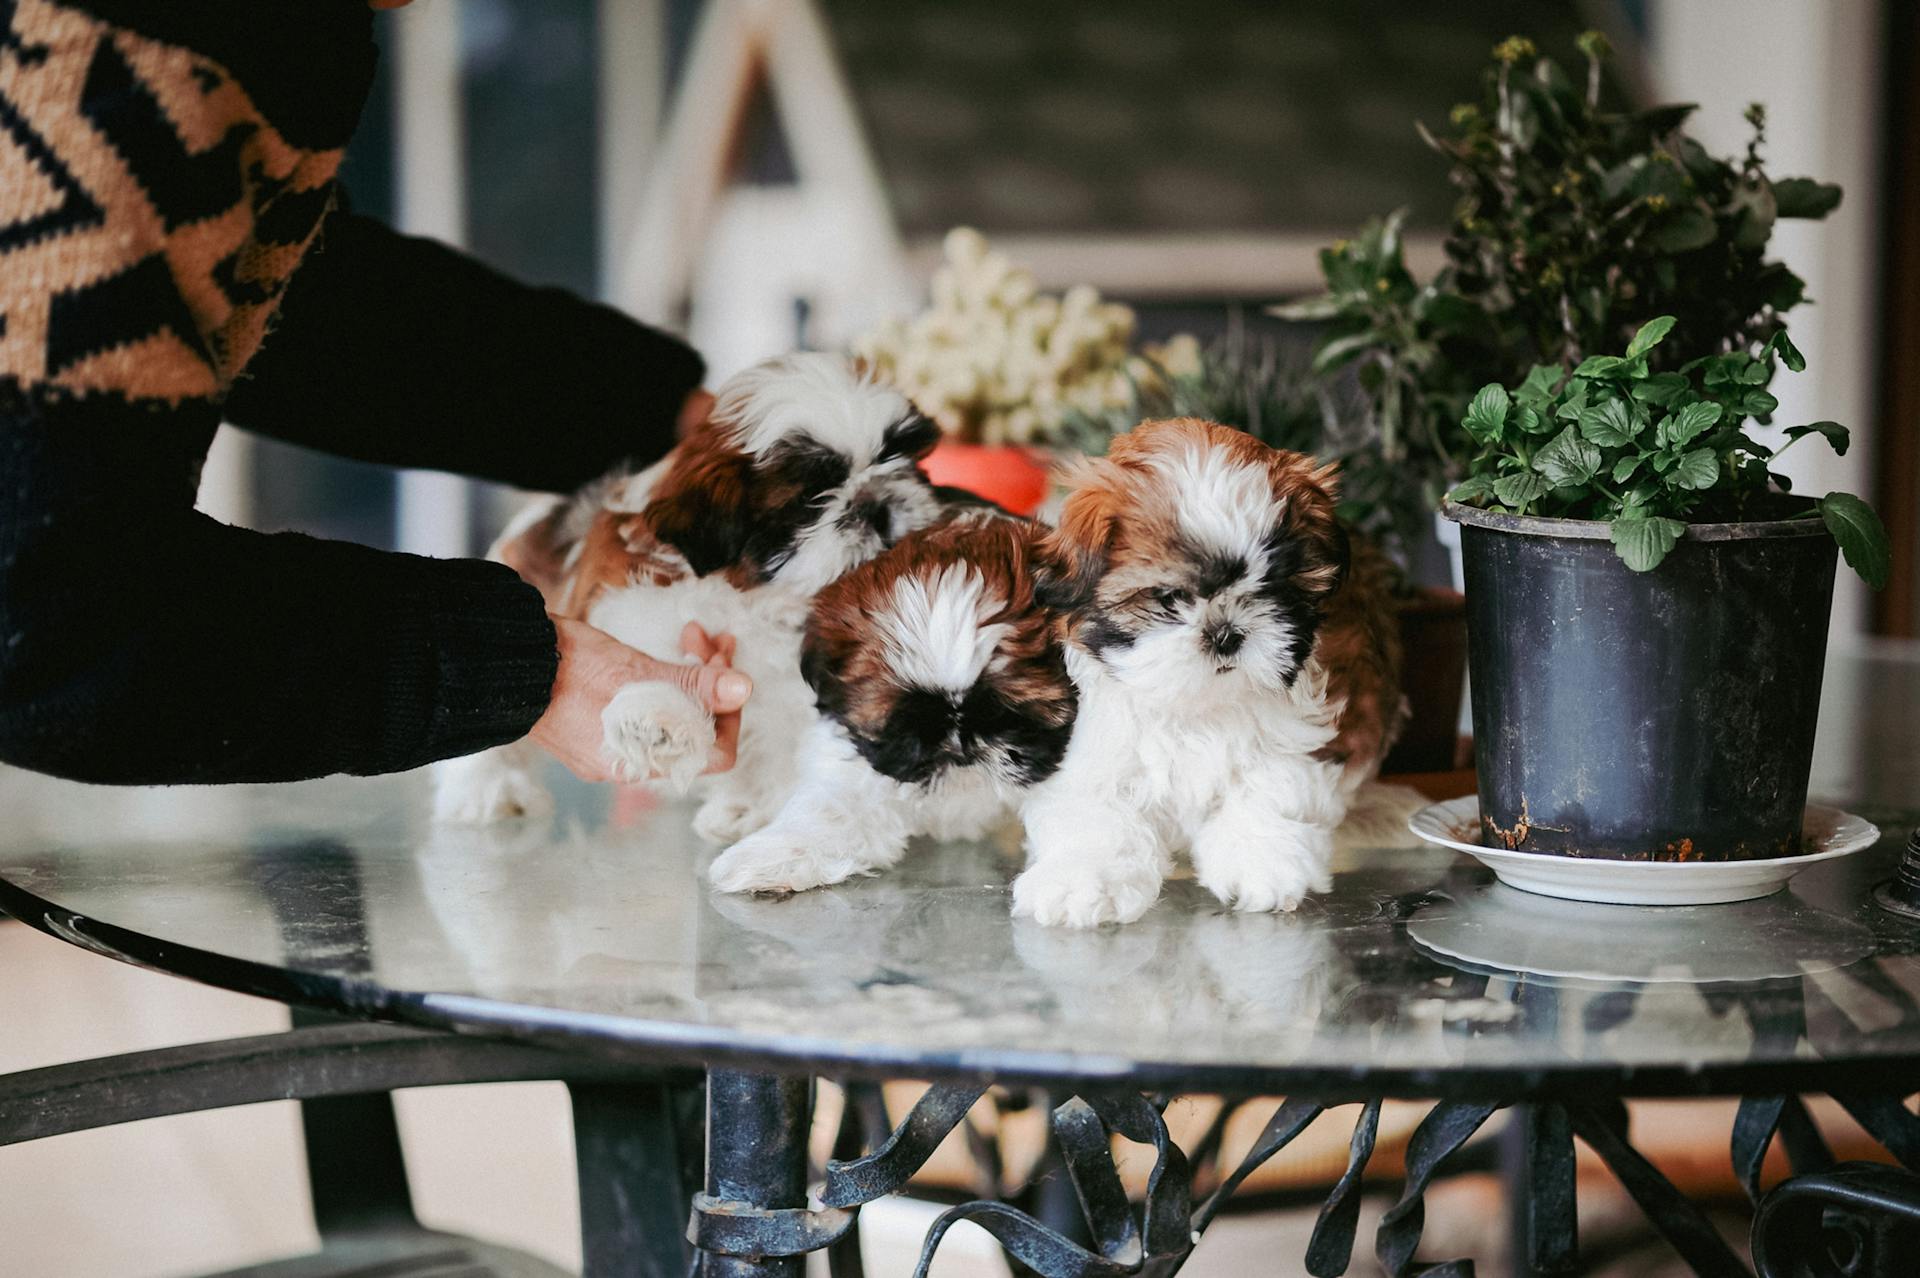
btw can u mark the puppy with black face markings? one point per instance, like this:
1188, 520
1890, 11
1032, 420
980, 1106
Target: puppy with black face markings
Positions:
805, 469
1189, 662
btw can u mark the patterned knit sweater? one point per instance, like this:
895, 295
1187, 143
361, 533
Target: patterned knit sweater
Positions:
164, 168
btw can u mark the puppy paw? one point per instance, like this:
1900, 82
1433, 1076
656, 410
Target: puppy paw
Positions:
654, 729
724, 820
1078, 893
775, 861
1262, 880
478, 792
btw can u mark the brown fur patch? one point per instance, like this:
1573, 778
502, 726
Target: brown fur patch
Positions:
1359, 647
619, 550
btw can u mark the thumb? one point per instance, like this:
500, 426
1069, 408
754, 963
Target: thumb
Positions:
718, 687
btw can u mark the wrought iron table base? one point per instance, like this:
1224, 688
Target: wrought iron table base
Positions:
753, 1220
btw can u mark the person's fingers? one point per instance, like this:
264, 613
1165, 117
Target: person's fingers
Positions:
696, 642
721, 689
726, 742
728, 646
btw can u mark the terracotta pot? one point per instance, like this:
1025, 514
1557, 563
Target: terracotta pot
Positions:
1009, 475
1433, 668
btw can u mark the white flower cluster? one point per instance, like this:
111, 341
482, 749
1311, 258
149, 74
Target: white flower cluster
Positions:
995, 361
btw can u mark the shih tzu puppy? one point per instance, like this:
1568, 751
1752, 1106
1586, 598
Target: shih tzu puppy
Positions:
805, 469
1189, 662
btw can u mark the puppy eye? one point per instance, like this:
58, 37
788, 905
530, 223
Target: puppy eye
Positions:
1167, 598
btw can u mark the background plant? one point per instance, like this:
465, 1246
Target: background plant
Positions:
1647, 450
1574, 222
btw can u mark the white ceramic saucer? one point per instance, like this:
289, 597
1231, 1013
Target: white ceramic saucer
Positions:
1490, 927
1829, 831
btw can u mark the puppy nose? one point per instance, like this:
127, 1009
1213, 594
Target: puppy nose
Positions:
875, 515
1225, 640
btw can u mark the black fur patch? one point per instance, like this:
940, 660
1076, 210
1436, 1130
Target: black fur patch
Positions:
1217, 572
1100, 633
931, 732
812, 465
1302, 609
912, 437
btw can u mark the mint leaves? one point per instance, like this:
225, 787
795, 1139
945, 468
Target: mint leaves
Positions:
1640, 449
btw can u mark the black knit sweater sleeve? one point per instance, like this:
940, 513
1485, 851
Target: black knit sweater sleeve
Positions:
394, 349
170, 166
143, 642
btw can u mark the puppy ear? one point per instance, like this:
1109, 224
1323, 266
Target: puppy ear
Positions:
1309, 495
913, 436
701, 507
1072, 557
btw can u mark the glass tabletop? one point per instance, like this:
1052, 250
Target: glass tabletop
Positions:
1416, 975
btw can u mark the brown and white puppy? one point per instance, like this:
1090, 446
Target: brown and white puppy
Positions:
805, 469
1189, 662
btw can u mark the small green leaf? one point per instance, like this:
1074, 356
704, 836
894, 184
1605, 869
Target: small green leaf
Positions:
1472, 490
1521, 489
1687, 424
1325, 307
1624, 468
1862, 537
1789, 354
1661, 389
1833, 432
1804, 197
1697, 470
1342, 351
1600, 366
1539, 386
1649, 335
1486, 418
1568, 459
1608, 425
1682, 232
1757, 403
1643, 541
1576, 403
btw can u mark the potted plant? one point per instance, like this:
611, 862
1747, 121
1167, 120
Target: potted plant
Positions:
1575, 222
1647, 605
999, 365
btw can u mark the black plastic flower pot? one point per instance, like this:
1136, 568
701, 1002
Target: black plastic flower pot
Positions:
1665, 715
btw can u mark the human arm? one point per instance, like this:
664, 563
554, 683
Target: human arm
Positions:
390, 348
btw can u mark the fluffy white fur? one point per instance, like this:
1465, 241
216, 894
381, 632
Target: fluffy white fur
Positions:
808, 394
937, 633
1229, 777
844, 819
1223, 504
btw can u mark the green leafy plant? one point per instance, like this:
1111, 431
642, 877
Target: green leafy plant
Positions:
1574, 222
1649, 450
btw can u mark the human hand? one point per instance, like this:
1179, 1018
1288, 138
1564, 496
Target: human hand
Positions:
594, 666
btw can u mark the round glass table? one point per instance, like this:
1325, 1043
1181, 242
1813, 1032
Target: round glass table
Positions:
1417, 976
